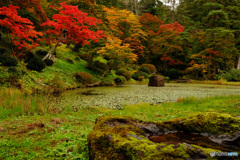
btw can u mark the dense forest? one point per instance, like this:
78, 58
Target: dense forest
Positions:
189, 39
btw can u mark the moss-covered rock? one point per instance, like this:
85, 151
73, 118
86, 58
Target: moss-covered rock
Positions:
121, 137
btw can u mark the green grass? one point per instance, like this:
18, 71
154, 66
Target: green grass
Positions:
63, 135
217, 82
14, 103
67, 64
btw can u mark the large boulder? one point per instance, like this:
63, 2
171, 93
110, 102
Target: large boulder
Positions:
156, 81
126, 138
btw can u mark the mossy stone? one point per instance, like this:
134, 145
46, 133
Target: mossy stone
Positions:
127, 138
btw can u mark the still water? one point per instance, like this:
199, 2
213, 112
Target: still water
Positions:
116, 97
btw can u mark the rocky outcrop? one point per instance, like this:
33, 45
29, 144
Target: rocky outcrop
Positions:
156, 81
126, 138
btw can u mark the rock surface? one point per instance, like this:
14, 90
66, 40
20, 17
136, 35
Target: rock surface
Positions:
156, 81
127, 138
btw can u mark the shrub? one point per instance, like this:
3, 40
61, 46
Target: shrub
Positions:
135, 76
140, 78
84, 77
100, 66
120, 80
28, 56
48, 62
151, 67
36, 64
125, 73
41, 53
7, 60
143, 74
144, 69
232, 75
55, 86
173, 74
86, 57
14, 71
166, 79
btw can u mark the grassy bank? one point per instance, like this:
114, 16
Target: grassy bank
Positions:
217, 82
63, 135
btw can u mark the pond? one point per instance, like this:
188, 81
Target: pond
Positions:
116, 97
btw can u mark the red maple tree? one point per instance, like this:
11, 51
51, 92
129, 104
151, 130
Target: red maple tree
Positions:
71, 26
20, 31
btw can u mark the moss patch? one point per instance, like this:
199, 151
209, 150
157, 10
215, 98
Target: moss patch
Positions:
121, 137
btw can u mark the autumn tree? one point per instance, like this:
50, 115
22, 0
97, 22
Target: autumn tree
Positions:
151, 24
124, 24
71, 26
21, 33
30, 9
117, 52
136, 46
165, 44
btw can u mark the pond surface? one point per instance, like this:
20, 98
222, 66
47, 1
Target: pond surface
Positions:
116, 97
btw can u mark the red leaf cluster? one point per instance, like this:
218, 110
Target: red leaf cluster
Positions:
213, 52
170, 60
76, 25
21, 30
175, 27
150, 22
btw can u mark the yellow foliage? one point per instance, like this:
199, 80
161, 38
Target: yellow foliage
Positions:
114, 49
115, 15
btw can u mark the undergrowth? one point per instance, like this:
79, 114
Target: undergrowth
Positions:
64, 135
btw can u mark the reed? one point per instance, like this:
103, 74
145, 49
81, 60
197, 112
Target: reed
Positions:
14, 102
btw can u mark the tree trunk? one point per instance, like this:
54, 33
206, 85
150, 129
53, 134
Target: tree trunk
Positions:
49, 54
136, 7
90, 62
214, 69
238, 64
98, 82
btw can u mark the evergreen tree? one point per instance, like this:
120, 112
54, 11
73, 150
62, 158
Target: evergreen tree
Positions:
220, 22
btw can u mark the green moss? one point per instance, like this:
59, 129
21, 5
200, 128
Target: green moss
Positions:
212, 123
117, 136
206, 150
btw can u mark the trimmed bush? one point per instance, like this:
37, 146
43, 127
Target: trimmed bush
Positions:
36, 64
144, 69
143, 74
7, 60
125, 73
100, 66
48, 62
173, 74
86, 57
84, 77
41, 53
28, 56
140, 78
151, 67
120, 80
135, 76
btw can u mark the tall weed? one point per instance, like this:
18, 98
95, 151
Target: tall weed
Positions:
14, 102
